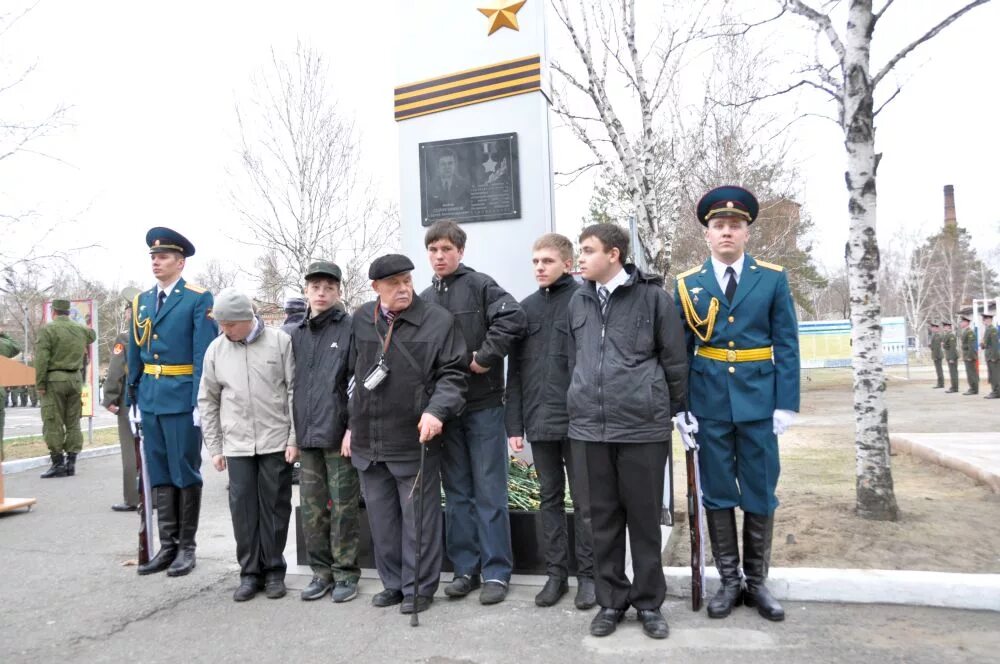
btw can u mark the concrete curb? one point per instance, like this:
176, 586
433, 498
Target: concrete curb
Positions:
19, 465
900, 443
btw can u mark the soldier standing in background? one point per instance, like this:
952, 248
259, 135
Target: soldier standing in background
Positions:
8, 348
970, 355
937, 353
951, 355
114, 402
59, 357
991, 351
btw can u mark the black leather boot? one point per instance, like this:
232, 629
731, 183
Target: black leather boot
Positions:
70, 464
166, 520
58, 468
190, 502
726, 551
757, 530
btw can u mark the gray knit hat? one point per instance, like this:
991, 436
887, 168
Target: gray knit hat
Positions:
231, 304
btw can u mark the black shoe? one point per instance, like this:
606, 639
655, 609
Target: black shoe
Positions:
58, 468
275, 588
70, 464
165, 498
969, 393
992, 395
554, 589
757, 531
725, 550
493, 592
316, 588
462, 585
653, 623
950, 390
249, 585
586, 594
124, 507
938, 387
388, 597
606, 621
189, 510
422, 604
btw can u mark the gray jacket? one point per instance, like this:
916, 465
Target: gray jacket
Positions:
628, 373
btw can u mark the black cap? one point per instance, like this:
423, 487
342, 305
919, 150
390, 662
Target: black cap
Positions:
728, 201
323, 269
389, 265
160, 239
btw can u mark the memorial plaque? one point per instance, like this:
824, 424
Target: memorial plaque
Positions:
470, 179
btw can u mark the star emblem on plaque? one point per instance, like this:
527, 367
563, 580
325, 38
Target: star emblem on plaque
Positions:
503, 14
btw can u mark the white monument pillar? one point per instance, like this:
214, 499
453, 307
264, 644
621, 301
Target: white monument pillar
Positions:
473, 120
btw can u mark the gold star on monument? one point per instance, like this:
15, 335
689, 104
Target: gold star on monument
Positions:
503, 14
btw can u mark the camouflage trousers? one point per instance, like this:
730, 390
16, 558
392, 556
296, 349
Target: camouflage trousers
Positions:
329, 493
61, 412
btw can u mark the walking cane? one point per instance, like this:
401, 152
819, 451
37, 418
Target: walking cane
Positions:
414, 621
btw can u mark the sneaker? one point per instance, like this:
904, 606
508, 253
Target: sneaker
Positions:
316, 588
388, 597
493, 592
344, 591
554, 589
462, 585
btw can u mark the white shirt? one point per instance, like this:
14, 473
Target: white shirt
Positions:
720, 270
615, 281
168, 290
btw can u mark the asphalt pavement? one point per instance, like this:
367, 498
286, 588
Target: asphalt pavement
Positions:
27, 421
68, 593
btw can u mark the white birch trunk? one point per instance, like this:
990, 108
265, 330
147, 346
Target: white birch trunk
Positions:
874, 487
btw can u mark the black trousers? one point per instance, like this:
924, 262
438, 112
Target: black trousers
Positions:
260, 501
555, 460
626, 489
391, 503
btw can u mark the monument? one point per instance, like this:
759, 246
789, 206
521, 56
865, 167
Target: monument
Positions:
473, 117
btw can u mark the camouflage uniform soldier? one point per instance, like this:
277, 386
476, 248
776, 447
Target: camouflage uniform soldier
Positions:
970, 355
22, 395
937, 353
991, 350
951, 355
59, 356
8, 348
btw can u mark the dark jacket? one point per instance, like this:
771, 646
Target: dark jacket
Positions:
321, 346
426, 374
292, 321
490, 319
114, 383
538, 367
628, 375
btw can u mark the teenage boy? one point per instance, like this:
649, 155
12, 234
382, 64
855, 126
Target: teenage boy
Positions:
537, 380
474, 463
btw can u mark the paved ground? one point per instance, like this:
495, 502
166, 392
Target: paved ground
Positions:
28, 421
66, 596
975, 454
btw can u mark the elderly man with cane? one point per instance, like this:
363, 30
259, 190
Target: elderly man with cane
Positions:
408, 362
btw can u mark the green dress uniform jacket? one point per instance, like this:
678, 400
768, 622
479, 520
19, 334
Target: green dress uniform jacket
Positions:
950, 347
937, 346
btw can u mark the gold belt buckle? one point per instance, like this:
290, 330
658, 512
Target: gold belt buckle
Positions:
730, 356
159, 370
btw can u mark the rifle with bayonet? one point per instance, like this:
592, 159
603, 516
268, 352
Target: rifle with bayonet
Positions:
695, 526
145, 503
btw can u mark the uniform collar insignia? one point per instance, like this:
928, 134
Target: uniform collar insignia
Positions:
696, 289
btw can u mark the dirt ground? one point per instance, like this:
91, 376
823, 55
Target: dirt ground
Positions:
947, 522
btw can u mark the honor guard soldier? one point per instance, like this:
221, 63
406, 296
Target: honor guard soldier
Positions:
951, 356
172, 326
744, 392
991, 352
937, 353
970, 353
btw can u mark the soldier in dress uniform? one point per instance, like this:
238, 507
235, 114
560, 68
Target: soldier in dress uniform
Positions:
991, 352
172, 326
744, 392
950, 343
114, 401
970, 353
937, 353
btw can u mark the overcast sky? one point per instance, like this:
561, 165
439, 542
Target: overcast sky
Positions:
153, 88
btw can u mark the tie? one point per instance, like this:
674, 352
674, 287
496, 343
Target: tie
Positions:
389, 316
731, 284
603, 294
160, 298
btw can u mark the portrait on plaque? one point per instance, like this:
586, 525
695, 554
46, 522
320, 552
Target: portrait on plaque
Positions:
470, 179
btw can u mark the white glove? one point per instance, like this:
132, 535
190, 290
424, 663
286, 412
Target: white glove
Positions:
687, 426
782, 420
196, 417
135, 415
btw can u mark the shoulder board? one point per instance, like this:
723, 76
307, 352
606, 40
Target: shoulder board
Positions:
771, 266
195, 287
688, 273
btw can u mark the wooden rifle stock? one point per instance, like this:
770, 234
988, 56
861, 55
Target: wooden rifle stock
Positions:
145, 504
694, 525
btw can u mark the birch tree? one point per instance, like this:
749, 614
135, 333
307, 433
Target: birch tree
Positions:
846, 76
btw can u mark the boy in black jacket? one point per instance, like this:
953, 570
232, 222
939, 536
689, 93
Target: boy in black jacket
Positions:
537, 380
